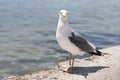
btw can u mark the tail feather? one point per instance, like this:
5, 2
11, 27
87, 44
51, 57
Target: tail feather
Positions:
96, 53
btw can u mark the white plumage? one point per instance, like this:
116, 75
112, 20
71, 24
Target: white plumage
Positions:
70, 40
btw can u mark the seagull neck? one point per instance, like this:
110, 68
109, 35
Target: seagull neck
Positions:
63, 22
63, 26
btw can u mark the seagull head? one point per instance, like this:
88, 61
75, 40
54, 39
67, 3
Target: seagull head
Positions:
63, 14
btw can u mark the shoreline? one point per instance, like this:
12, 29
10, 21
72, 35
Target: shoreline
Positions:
106, 67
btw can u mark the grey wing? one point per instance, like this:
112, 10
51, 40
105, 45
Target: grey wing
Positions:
81, 43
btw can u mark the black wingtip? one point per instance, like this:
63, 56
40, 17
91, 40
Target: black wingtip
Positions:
98, 53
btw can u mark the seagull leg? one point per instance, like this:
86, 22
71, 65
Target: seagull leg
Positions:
71, 62
70, 59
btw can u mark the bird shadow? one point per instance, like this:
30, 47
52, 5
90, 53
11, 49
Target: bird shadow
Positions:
85, 70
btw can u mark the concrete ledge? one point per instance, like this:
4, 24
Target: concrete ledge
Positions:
105, 67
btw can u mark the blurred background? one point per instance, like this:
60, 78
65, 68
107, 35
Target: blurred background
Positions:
28, 27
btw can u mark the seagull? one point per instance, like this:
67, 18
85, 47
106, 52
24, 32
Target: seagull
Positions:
71, 41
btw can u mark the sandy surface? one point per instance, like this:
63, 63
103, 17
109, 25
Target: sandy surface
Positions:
105, 67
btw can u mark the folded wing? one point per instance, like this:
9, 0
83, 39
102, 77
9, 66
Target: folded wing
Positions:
81, 43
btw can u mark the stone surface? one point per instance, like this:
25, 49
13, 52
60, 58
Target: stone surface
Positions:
106, 67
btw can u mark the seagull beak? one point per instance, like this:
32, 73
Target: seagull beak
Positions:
64, 15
